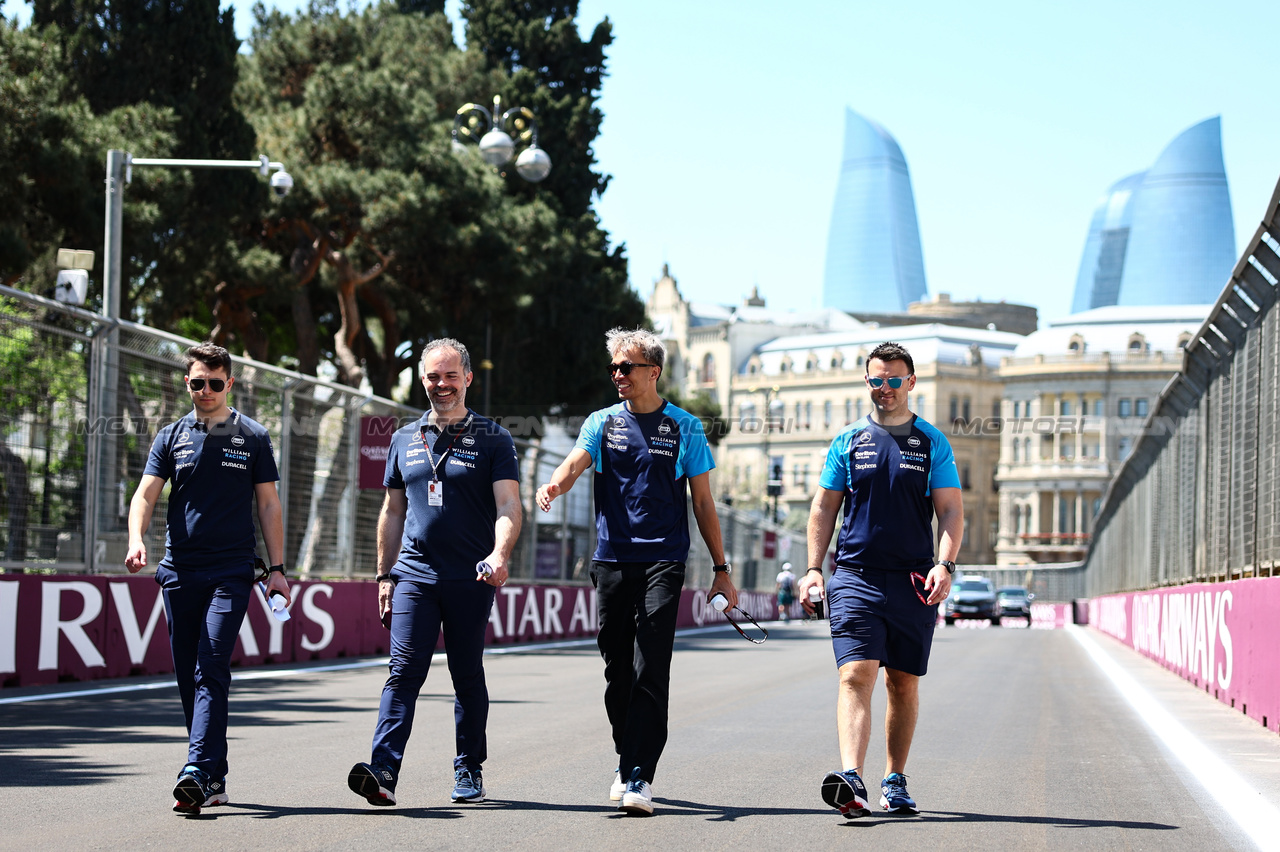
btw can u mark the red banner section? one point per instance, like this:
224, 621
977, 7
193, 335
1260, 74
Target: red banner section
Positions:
1222, 637
375, 440
65, 628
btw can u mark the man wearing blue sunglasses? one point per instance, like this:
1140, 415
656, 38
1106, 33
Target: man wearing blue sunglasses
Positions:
892, 472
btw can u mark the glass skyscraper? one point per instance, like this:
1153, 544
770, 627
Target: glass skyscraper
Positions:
1164, 236
874, 263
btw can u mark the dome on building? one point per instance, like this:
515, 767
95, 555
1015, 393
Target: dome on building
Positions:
1164, 236
874, 262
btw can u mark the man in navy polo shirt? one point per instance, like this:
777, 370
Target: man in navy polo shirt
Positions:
452, 503
643, 451
218, 461
893, 472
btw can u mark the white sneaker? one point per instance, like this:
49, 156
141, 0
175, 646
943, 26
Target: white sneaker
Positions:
638, 798
617, 788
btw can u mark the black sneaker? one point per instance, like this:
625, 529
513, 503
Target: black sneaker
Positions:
376, 783
895, 799
845, 792
195, 790
468, 785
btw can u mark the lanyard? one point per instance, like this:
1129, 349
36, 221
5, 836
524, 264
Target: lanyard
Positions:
435, 466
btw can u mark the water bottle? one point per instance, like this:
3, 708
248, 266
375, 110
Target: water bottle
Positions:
719, 602
815, 598
276, 600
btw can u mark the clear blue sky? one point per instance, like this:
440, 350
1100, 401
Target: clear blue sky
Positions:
724, 121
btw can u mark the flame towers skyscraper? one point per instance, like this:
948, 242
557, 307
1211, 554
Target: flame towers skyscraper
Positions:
874, 263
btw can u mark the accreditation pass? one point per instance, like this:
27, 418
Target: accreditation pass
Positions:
435, 493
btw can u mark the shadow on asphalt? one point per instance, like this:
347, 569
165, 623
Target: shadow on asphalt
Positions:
667, 807
957, 818
254, 810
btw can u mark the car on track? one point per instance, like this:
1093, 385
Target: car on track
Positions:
1015, 602
972, 597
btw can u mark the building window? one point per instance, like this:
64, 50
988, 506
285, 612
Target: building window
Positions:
1099, 407
965, 409
1017, 409
747, 416
826, 414
808, 414
995, 408
797, 478
1125, 407
837, 360
798, 420
858, 411
1015, 450
954, 408
708, 368
848, 411
804, 476
1137, 344
784, 366
1183, 340
919, 404
1064, 407
1126, 444
1026, 450
965, 482
1140, 407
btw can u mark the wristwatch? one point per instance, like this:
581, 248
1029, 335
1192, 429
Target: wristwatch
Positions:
726, 568
275, 568
948, 564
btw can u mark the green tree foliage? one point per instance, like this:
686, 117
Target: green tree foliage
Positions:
53, 147
579, 288
178, 55
392, 238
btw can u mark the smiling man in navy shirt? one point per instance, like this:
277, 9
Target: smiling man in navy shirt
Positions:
643, 451
893, 472
218, 461
452, 502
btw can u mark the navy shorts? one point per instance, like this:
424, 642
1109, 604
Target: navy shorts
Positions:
877, 615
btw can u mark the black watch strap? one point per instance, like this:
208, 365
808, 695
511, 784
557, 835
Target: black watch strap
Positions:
279, 568
725, 568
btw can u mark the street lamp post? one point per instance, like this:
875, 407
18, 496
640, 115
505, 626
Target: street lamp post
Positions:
499, 134
120, 166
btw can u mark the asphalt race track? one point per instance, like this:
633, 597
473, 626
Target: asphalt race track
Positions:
1024, 742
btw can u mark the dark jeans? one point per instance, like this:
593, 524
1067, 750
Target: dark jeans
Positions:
204, 609
418, 612
638, 603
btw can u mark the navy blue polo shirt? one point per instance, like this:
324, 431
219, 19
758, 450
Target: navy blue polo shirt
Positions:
887, 476
445, 542
213, 472
642, 464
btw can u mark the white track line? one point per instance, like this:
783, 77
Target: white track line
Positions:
257, 674
1257, 817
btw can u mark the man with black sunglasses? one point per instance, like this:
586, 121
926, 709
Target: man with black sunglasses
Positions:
643, 451
892, 471
218, 462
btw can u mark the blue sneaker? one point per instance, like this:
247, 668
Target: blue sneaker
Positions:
895, 799
845, 792
377, 784
468, 785
195, 790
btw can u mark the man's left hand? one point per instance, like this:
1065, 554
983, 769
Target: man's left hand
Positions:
721, 584
499, 566
938, 584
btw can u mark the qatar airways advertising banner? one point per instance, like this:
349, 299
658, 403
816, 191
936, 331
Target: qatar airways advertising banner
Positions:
1222, 637
71, 628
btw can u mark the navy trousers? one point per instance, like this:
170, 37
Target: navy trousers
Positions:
204, 609
637, 604
418, 613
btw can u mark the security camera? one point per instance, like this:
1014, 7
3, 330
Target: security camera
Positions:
281, 183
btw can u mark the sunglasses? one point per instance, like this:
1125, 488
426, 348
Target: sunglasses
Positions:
625, 368
215, 385
895, 382
764, 633
917, 586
